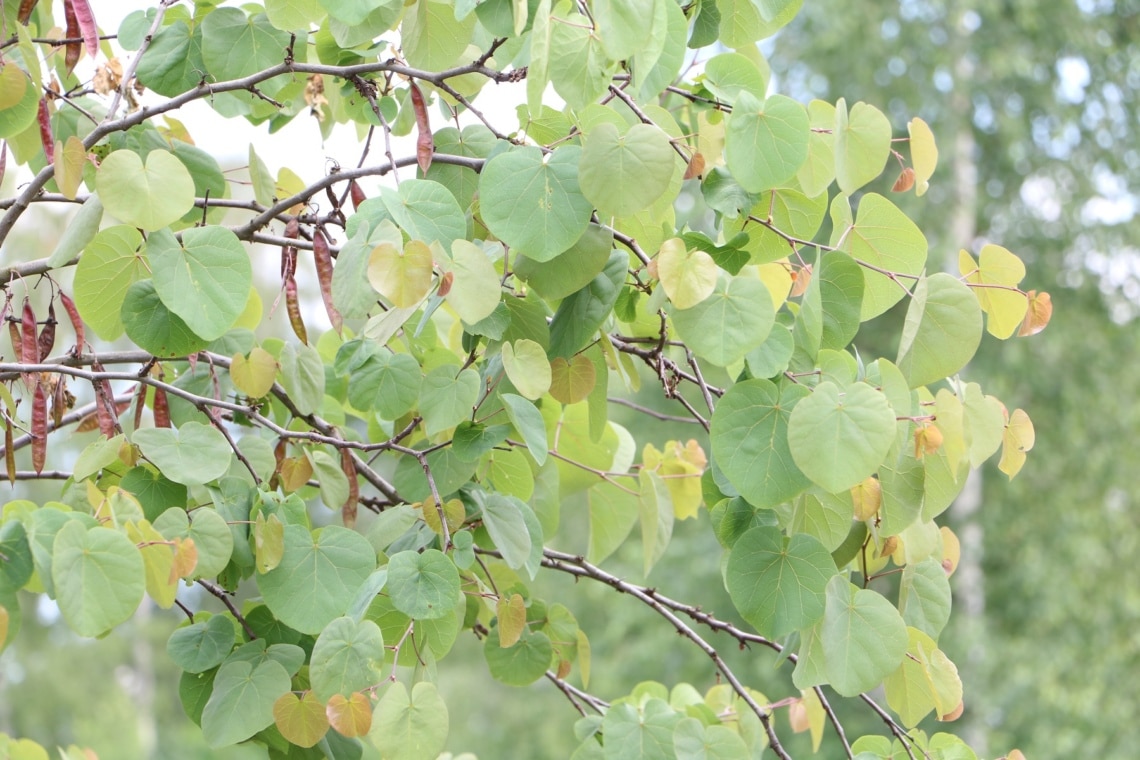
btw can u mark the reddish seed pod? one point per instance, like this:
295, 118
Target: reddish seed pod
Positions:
323, 259
348, 510
76, 321
161, 409
24, 14
356, 193
59, 401
105, 410
87, 25
72, 50
3, 158
140, 404
425, 145
46, 340
9, 451
293, 307
46, 138
39, 428
29, 348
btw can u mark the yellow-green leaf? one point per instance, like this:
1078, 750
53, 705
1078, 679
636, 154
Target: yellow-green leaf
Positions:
923, 154
994, 278
69, 160
527, 367
512, 619
571, 381
254, 375
403, 277
688, 277
1016, 439
300, 719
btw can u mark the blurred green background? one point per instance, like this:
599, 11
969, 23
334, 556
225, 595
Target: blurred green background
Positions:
1033, 103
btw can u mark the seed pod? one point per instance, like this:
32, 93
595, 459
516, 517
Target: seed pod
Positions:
72, 50
425, 145
44, 119
46, 341
60, 400
3, 158
161, 409
87, 25
29, 348
355, 192
24, 14
105, 411
323, 259
39, 428
348, 510
76, 321
9, 451
293, 307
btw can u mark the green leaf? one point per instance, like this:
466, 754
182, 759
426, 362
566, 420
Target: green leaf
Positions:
21, 101
827, 517
302, 375
347, 657
528, 421
18, 566
942, 331
192, 454
473, 440
293, 15
110, 264
409, 728
862, 144
622, 174
98, 576
79, 233
318, 576
475, 141
155, 328
521, 664
766, 142
839, 437
864, 638
657, 514
386, 382
578, 65
646, 734
750, 441
423, 585
205, 280
569, 271
924, 597
527, 368
776, 583
198, 647
236, 45
150, 196
818, 171
729, 74
432, 37
533, 202
426, 210
613, 513
447, 397
622, 24
692, 740
688, 276
885, 238
475, 287
173, 62
208, 529
503, 518
730, 323
841, 298
241, 703
580, 315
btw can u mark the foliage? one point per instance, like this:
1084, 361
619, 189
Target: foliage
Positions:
380, 488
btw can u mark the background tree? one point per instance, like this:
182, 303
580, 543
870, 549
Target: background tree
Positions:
356, 499
1038, 101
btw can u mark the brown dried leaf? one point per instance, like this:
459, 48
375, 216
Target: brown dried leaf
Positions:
425, 145
696, 167
905, 181
1038, 314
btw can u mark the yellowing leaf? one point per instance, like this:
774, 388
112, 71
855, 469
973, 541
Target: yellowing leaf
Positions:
185, 558
680, 467
268, 542
1016, 439
807, 714
1038, 314
5, 618
688, 277
994, 278
778, 280
927, 440
452, 510
951, 550
923, 154
512, 619
289, 185
403, 277
868, 497
158, 560
571, 381
254, 375
69, 160
300, 719
528, 368
295, 472
351, 716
